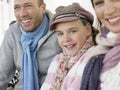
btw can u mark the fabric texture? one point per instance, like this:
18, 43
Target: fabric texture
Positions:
65, 64
29, 42
109, 73
91, 74
110, 79
113, 56
70, 13
72, 81
11, 53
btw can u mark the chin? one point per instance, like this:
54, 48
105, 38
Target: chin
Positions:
28, 29
71, 54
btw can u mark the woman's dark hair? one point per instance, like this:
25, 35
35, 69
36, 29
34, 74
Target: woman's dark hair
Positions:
92, 3
94, 30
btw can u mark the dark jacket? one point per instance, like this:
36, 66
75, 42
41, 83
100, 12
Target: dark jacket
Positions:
91, 74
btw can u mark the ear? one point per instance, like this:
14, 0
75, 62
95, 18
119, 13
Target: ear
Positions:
89, 29
43, 7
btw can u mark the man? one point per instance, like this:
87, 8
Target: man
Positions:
28, 46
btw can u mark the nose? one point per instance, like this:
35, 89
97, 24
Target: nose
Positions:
66, 38
23, 12
109, 8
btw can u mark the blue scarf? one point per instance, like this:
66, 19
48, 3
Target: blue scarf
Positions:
29, 42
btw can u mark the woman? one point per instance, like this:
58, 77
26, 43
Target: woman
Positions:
76, 36
108, 13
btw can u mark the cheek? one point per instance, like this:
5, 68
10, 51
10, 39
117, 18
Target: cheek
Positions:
16, 14
81, 40
60, 42
99, 13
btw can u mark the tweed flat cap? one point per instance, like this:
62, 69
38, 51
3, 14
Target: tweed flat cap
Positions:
70, 13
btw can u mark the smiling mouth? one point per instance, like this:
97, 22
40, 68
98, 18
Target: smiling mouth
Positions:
70, 46
114, 20
26, 22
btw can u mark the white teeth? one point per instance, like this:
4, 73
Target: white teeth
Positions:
69, 46
24, 21
114, 19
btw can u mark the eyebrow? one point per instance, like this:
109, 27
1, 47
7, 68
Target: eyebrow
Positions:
16, 4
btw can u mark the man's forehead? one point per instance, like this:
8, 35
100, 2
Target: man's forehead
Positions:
24, 1
18, 2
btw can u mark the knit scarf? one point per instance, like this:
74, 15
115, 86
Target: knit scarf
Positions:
92, 78
66, 73
112, 57
65, 64
109, 78
29, 41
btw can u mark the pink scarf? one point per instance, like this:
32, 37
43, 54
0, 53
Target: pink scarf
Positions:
64, 71
65, 64
112, 57
72, 74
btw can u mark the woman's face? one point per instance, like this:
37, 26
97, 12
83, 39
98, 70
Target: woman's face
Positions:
72, 36
108, 12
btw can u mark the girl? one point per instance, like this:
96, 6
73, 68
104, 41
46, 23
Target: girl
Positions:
76, 36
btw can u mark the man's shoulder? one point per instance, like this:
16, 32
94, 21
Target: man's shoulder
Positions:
13, 26
13, 29
49, 14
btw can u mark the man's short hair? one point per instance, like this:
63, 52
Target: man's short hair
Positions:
40, 2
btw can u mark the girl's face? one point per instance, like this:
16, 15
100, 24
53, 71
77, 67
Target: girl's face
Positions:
72, 36
108, 12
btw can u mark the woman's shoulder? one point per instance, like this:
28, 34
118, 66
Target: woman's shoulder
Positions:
97, 57
96, 61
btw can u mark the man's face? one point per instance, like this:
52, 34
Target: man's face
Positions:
28, 13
